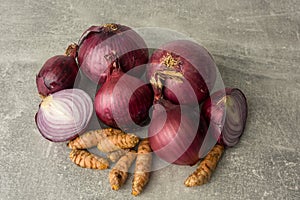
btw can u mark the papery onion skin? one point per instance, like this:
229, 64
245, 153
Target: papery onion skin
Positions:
64, 115
196, 65
58, 73
176, 145
98, 41
119, 93
219, 111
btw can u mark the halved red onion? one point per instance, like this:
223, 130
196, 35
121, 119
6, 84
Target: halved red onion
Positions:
99, 41
176, 133
123, 101
186, 69
58, 73
64, 115
226, 113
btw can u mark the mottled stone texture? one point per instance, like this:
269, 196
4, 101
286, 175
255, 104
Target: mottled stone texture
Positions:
256, 45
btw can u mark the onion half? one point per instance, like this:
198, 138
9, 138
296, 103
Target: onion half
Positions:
64, 115
226, 114
99, 41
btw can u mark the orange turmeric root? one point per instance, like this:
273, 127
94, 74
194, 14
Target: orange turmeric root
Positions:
203, 173
92, 138
119, 173
116, 155
86, 159
116, 142
142, 167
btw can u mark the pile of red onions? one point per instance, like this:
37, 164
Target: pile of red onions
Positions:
58, 73
187, 70
64, 115
99, 41
123, 101
182, 74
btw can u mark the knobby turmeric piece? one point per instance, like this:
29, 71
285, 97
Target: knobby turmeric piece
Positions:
119, 173
203, 173
92, 138
86, 159
116, 142
116, 155
142, 167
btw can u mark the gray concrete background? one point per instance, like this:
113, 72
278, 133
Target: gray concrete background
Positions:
256, 45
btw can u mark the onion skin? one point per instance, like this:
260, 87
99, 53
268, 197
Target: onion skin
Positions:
195, 64
99, 41
64, 115
123, 101
226, 113
58, 73
173, 144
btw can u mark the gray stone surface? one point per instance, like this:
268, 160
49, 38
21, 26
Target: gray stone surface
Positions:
256, 45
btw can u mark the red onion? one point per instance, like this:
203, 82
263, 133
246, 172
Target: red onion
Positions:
64, 115
98, 41
123, 101
176, 133
58, 73
187, 70
226, 112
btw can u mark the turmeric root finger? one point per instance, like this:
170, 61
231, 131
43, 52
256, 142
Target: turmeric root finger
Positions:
142, 167
86, 159
203, 173
116, 142
119, 173
116, 155
92, 138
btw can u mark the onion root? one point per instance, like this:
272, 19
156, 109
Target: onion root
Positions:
116, 155
86, 159
92, 138
142, 167
116, 142
206, 167
119, 173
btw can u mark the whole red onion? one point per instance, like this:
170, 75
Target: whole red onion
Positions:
123, 101
176, 133
226, 113
64, 115
58, 73
98, 41
186, 69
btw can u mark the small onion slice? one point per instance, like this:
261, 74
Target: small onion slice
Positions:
64, 115
226, 113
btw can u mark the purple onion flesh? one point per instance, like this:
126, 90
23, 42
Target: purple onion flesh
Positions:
226, 113
64, 115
